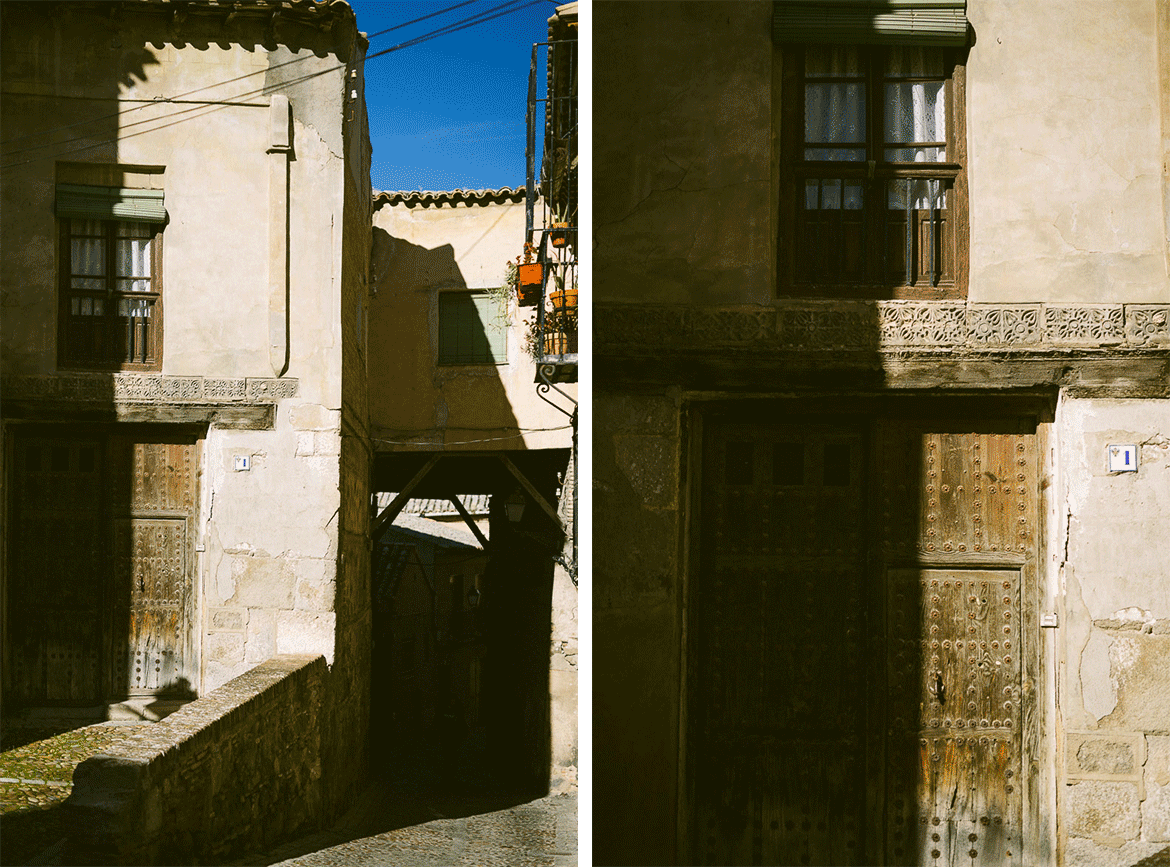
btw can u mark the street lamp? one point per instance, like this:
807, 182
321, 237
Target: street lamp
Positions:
514, 506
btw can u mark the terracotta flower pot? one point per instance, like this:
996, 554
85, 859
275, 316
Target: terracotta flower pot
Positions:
530, 284
560, 343
564, 299
559, 234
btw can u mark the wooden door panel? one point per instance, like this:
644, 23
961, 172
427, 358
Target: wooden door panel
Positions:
58, 558
153, 567
956, 493
156, 576
956, 727
842, 713
776, 745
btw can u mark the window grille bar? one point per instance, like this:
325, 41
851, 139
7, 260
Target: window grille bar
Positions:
820, 224
932, 187
909, 232
841, 229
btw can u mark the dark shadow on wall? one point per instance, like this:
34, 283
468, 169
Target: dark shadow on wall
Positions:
440, 347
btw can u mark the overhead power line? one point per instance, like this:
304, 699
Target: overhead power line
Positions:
206, 106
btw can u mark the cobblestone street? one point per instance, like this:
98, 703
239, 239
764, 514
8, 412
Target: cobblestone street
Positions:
385, 825
36, 776
539, 833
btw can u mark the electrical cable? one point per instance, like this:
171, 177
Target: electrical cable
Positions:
183, 96
211, 105
468, 442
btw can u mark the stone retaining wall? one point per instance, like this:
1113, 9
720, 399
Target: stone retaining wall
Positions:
237, 770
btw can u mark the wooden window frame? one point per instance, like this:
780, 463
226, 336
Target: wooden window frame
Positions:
464, 360
113, 330
873, 174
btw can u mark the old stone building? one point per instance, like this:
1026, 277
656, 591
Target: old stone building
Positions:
881, 432
186, 224
458, 409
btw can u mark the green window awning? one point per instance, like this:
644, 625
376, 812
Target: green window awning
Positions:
871, 22
110, 203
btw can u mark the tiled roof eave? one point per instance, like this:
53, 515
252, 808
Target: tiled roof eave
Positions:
439, 198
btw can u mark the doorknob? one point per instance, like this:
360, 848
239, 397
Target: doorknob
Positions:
936, 687
141, 585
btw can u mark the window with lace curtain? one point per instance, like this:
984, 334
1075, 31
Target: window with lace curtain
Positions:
111, 293
873, 182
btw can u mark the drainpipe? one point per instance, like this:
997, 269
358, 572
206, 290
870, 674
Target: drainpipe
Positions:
279, 157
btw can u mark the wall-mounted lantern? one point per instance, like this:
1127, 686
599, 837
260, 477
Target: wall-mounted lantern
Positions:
514, 506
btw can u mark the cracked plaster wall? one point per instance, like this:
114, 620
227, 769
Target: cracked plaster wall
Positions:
1066, 152
269, 535
1068, 163
1115, 632
637, 592
682, 169
419, 252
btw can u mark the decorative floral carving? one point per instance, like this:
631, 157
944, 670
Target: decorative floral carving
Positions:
271, 389
922, 323
145, 388
1003, 324
224, 389
743, 325
829, 327
896, 328
635, 325
1147, 324
1082, 324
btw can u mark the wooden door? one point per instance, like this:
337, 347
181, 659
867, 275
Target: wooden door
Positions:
958, 517
153, 576
857, 657
777, 681
59, 555
101, 574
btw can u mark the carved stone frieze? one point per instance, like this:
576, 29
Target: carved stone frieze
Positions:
1003, 324
1078, 325
934, 323
133, 388
891, 327
1147, 324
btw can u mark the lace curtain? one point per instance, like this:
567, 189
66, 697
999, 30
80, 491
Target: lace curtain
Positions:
915, 124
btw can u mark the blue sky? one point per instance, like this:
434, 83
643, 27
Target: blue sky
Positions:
448, 113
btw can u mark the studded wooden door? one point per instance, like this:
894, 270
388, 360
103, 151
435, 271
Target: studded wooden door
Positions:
153, 562
958, 518
58, 554
777, 683
855, 675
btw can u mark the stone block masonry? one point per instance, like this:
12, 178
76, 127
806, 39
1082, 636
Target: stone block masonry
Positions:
237, 770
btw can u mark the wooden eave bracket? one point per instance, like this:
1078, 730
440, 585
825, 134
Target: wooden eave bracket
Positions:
387, 515
469, 521
532, 492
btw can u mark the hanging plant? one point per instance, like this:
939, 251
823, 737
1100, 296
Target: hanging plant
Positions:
530, 279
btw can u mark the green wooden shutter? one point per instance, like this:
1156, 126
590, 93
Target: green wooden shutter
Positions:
871, 22
110, 203
471, 329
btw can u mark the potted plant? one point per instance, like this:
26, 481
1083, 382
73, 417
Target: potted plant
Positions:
560, 331
559, 233
563, 298
530, 278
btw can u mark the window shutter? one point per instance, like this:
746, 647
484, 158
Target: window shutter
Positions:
871, 22
471, 329
110, 203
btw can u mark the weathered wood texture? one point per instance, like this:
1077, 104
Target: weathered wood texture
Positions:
101, 582
58, 551
856, 667
153, 565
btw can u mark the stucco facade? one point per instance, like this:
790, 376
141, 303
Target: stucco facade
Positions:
251, 124
426, 405
1065, 305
